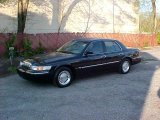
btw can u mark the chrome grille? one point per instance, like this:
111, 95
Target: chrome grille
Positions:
26, 65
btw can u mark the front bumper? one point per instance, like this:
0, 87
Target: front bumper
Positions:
136, 60
33, 75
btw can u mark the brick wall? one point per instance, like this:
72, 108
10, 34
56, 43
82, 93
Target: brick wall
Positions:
51, 41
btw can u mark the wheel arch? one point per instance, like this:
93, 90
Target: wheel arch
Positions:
68, 66
130, 59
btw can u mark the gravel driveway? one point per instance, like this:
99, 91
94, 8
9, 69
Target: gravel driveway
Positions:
105, 96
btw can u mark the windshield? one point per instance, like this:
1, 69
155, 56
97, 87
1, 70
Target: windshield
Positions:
73, 47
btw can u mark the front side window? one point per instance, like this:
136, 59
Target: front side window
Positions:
73, 47
112, 47
95, 47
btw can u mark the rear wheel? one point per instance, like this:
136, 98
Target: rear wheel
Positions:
124, 66
63, 77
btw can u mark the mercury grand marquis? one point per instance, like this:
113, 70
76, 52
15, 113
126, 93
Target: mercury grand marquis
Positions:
62, 65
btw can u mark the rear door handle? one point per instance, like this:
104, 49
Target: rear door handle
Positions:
104, 56
120, 54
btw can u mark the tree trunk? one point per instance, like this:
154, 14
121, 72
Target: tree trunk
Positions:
154, 15
22, 14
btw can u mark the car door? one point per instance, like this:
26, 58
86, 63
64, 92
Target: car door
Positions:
113, 52
92, 56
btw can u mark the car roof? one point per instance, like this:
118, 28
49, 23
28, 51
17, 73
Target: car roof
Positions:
94, 39
100, 39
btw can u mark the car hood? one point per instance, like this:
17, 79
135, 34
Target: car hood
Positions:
50, 58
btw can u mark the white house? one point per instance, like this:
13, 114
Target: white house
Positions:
93, 16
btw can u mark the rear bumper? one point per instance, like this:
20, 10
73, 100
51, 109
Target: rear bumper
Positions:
33, 75
136, 60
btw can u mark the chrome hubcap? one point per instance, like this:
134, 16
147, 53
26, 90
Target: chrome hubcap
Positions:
125, 66
64, 77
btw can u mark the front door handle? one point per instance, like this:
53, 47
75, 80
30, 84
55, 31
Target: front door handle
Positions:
120, 54
104, 56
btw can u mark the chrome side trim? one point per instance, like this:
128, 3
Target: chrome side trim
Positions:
97, 65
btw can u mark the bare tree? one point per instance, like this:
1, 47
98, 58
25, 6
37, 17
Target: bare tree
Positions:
89, 16
65, 14
154, 15
22, 14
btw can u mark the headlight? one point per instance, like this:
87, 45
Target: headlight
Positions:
40, 68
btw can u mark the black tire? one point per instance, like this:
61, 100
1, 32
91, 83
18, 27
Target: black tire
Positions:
122, 68
58, 74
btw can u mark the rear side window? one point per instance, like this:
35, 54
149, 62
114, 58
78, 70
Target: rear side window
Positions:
112, 47
96, 47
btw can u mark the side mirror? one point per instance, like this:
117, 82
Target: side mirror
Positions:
87, 53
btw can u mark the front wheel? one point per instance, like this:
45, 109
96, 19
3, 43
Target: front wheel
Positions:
124, 66
63, 77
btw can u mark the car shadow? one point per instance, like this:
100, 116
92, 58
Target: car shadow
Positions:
148, 57
147, 67
86, 75
132, 91
158, 93
40, 83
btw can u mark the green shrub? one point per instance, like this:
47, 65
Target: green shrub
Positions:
26, 51
40, 49
27, 48
12, 69
10, 43
158, 38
